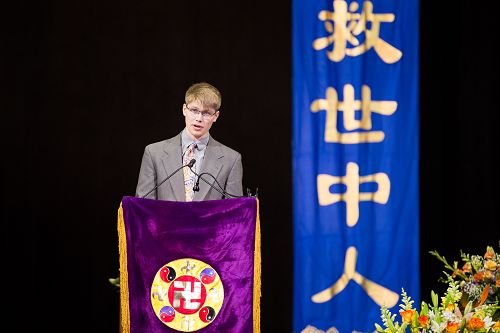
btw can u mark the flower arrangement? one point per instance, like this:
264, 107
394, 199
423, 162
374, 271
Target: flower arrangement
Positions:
115, 282
479, 277
470, 303
444, 316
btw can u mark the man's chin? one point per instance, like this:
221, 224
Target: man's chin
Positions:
197, 133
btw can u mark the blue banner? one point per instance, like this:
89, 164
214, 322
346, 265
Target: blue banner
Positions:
355, 161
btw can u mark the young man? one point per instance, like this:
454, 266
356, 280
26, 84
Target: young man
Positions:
219, 165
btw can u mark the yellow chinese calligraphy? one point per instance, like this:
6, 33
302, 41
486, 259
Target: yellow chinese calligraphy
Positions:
352, 196
347, 24
378, 293
349, 106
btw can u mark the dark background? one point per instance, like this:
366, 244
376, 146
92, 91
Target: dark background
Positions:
88, 84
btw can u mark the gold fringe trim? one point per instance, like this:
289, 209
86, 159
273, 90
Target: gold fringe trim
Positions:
257, 260
124, 295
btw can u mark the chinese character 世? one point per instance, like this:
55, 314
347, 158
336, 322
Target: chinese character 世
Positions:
349, 106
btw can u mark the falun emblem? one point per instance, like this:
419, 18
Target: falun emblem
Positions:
187, 294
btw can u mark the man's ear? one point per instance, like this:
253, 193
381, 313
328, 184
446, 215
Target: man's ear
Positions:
216, 115
184, 109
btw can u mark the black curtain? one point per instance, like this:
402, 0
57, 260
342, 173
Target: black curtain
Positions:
88, 84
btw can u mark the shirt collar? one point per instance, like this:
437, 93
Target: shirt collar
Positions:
187, 140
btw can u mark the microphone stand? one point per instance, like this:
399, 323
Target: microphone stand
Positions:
249, 193
196, 186
189, 165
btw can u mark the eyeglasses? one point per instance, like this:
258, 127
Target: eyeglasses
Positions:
195, 112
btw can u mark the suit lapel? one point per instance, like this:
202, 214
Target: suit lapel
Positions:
212, 164
171, 162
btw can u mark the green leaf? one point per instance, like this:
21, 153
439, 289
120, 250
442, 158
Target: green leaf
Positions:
379, 328
435, 299
424, 309
468, 307
115, 281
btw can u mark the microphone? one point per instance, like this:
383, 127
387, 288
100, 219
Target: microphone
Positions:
196, 186
189, 165
221, 190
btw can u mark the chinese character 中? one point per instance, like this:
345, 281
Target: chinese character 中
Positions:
352, 196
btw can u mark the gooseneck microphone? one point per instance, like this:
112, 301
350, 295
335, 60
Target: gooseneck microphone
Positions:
221, 190
189, 165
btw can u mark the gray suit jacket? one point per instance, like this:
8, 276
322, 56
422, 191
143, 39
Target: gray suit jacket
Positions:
162, 158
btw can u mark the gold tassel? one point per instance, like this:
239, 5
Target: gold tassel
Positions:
124, 296
257, 275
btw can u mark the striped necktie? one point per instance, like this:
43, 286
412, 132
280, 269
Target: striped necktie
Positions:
189, 176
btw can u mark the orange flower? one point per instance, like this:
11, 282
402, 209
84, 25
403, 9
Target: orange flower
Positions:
475, 324
491, 265
423, 321
467, 268
451, 327
497, 282
407, 315
458, 271
479, 276
496, 327
450, 307
489, 254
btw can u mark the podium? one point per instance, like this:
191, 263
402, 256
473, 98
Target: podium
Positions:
189, 266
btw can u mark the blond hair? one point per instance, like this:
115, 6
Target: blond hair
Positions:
205, 93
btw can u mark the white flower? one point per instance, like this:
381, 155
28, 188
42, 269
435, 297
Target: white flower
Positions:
488, 322
449, 316
435, 327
